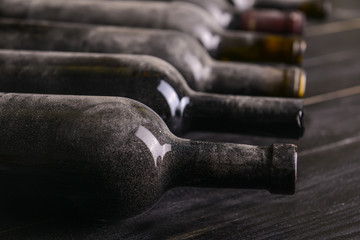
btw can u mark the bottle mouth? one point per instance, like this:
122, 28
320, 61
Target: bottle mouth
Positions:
319, 9
283, 171
296, 22
327, 8
300, 121
302, 84
295, 84
298, 47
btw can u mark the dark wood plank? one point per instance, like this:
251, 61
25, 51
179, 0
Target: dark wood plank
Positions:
341, 10
336, 42
331, 72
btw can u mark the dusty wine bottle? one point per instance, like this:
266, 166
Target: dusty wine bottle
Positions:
200, 71
312, 8
152, 82
260, 20
115, 156
181, 16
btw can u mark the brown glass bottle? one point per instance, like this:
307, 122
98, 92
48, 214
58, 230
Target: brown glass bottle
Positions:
200, 71
152, 82
221, 44
115, 157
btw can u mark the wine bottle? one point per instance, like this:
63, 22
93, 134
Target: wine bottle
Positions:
115, 156
152, 82
312, 8
180, 16
200, 71
259, 20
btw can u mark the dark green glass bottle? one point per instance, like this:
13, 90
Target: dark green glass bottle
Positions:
115, 157
152, 82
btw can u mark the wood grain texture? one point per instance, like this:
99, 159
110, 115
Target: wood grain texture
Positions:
325, 206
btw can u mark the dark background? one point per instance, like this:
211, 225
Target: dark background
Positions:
327, 202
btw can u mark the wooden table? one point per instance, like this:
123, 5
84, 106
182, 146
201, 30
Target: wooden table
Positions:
327, 202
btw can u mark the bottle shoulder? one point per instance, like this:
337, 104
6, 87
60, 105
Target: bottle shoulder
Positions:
172, 46
196, 21
221, 10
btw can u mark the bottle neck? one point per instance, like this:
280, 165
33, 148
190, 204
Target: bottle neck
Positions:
243, 46
316, 9
271, 21
207, 164
256, 80
242, 114
312, 8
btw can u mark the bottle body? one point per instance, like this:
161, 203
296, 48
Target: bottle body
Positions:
106, 154
152, 82
183, 52
178, 16
82, 151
